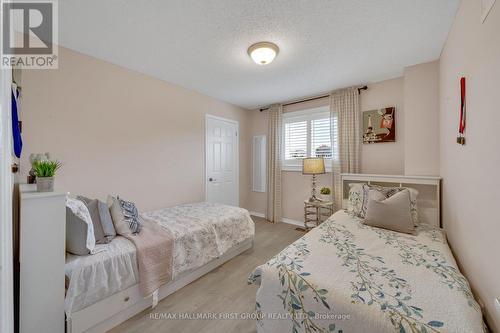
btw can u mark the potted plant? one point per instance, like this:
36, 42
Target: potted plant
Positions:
33, 158
325, 193
45, 170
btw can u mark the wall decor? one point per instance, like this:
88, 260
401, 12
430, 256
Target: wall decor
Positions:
461, 125
379, 125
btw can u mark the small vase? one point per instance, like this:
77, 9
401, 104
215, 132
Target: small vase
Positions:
44, 184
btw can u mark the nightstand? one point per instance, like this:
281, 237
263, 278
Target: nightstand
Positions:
316, 212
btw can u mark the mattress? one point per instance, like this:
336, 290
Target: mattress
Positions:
202, 232
346, 276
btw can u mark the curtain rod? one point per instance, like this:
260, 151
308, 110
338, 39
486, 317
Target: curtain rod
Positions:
313, 98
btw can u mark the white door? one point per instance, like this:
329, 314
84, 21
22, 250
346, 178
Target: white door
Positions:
221, 160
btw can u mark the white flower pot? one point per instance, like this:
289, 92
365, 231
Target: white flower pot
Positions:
44, 184
325, 197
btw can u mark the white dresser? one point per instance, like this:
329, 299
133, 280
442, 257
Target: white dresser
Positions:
42, 239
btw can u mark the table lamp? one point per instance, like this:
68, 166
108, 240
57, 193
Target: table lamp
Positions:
313, 166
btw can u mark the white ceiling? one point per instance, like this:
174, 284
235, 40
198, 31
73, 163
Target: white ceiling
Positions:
201, 45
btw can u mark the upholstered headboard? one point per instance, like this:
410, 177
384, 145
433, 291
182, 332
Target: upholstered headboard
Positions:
429, 188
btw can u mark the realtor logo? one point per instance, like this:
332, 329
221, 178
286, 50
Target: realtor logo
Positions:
29, 38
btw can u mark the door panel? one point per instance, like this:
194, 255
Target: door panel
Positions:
221, 161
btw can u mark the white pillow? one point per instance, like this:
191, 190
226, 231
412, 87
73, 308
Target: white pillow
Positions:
80, 237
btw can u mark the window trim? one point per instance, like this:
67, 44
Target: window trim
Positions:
295, 165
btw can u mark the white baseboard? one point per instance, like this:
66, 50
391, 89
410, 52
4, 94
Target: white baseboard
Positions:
294, 222
258, 214
284, 219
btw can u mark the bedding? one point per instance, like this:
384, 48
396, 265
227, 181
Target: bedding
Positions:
345, 276
93, 207
95, 277
357, 203
393, 213
125, 216
202, 232
155, 246
80, 237
388, 192
104, 217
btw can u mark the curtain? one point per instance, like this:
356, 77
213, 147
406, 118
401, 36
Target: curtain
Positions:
274, 156
344, 108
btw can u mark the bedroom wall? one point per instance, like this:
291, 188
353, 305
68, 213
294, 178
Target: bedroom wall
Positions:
121, 132
471, 177
383, 158
421, 100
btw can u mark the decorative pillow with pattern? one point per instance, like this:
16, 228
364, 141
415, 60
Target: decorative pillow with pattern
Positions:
355, 201
388, 192
125, 216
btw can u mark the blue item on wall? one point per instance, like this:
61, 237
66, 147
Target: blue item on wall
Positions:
16, 130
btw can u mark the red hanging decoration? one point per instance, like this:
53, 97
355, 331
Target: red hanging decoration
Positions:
461, 126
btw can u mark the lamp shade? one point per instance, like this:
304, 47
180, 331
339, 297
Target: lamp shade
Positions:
313, 166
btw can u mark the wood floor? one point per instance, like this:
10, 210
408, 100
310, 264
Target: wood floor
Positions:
223, 290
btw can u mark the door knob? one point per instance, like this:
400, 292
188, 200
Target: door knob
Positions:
210, 179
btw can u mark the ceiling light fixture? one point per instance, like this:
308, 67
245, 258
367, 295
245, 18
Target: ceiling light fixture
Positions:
263, 53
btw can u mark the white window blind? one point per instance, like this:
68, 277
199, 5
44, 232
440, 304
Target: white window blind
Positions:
320, 138
295, 139
307, 134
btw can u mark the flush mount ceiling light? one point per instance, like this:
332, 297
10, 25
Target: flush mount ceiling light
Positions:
263, 53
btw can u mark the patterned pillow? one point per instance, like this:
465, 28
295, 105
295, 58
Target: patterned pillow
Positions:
388, 192
125, 216
355, 201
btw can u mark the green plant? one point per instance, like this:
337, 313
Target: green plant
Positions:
325, 191
46, 168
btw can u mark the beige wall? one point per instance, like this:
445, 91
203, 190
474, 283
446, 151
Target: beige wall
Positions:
421, 101
295, 186
386, 157
257, 125
471, 177
121, 132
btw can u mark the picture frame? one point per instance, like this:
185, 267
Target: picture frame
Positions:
379, 125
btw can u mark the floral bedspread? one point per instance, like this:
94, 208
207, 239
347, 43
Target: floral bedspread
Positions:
344, 276
202, 231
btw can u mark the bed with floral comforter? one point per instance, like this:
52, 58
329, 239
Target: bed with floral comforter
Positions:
344, 276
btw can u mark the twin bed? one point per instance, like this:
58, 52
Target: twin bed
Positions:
103, 288
345, 276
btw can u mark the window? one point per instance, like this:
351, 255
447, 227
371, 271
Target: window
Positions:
307, 134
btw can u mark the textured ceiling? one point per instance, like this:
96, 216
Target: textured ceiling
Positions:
201, 45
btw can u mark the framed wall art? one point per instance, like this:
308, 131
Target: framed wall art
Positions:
379, 125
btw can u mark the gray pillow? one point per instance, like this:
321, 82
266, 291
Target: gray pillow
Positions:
389, 191
393, 213
93, 208
106, 220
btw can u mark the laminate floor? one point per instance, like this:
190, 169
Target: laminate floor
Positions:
223, 290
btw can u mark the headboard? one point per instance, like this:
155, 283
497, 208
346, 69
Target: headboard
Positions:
429, 188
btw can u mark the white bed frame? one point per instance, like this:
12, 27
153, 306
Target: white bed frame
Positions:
429, 207
112, 311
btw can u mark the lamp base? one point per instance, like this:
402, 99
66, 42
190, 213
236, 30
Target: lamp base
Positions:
315, 199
